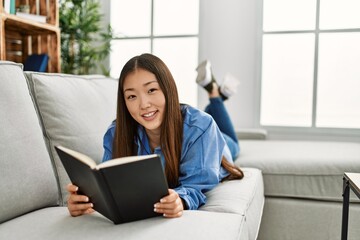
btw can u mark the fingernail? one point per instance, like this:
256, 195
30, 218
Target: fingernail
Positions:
86, 199
155, 210
162, 200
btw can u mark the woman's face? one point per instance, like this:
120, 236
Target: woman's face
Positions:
144, 99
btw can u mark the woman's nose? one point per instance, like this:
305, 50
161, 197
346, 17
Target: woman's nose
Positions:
145, 103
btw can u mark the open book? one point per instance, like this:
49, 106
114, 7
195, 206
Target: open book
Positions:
123, 189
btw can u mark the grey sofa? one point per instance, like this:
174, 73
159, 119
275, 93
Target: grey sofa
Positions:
301, 180
40, 110
303, 187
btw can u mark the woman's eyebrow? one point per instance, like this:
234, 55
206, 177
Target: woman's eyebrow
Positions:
150, 82
128, 89
145, 84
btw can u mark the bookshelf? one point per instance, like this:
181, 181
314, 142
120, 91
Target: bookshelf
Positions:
20, 37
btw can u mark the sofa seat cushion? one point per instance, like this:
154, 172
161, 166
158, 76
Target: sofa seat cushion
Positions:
244, 197
302, 219
301, 169
26, 171
56, 223
75, 111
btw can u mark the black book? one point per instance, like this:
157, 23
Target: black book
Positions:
123, 189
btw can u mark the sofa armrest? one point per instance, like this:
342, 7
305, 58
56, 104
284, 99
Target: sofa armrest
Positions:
244, 197
251, 133
236, 196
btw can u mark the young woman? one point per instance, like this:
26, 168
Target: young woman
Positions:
149, 120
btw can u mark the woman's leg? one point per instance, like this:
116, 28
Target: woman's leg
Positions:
219, 113
233, 146
216, 107
217, 110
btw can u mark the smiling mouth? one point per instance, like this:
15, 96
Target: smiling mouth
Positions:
150, 114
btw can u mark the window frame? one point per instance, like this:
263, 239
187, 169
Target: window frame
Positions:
152, 38
302, 133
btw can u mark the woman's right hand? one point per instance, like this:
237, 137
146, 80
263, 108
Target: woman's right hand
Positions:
78, 204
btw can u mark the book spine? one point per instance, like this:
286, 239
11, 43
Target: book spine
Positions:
33, 17
7, 5
12, 7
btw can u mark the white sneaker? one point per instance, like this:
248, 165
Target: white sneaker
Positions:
229, 85
204, 73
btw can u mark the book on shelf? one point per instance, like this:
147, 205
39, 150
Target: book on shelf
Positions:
33, 17
36, 62
9, 6
123, 189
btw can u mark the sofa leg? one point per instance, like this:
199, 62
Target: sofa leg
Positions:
345, 210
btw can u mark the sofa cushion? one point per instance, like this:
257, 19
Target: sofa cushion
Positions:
27, 179
302, 169
75, 111
299, 219
56, 223
244, 197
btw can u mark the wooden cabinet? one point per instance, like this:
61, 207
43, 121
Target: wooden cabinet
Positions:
20, 37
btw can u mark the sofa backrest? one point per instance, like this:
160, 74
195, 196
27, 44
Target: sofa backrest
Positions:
27, 179
75, 112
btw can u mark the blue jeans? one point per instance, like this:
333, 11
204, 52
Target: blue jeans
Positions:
217, 110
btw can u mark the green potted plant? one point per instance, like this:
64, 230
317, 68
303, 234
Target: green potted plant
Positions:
85, 43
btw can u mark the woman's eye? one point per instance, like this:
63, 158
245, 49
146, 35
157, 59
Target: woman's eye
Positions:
152, 90
131, 97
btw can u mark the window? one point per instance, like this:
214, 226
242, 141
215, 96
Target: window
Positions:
310, 74
167, 28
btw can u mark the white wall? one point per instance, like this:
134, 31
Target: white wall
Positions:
228, 38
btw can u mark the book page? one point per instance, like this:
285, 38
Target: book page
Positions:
79, 156
124, 160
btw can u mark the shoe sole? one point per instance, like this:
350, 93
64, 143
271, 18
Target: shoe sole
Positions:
201, 69
229, 86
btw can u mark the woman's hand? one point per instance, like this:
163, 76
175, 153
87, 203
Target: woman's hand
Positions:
78, 204
170, 206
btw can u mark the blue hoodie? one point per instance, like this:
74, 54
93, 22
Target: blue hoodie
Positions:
202, 150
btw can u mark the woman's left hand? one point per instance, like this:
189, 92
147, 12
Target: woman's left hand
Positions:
170, 206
